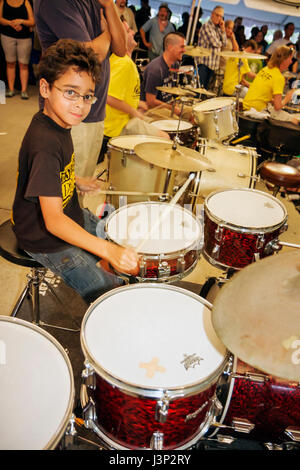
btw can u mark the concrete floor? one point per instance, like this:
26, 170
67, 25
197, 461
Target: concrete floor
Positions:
15, 116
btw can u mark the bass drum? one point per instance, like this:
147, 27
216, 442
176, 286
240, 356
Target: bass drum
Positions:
232, 167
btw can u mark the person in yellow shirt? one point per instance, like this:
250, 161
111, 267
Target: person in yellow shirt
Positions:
231, 77
124, 110
266, 91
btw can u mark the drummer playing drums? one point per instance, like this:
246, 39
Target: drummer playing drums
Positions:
266, 90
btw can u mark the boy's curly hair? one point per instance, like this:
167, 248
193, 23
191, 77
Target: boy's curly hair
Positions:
67, 53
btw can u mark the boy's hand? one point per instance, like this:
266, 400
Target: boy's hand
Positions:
123, 260
87, 185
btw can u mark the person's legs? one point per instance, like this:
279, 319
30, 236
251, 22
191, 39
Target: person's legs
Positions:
24, 50
9, 46
205, 75
78, 268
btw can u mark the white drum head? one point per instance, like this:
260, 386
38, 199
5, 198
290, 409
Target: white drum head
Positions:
144, 335
36, 387
128, 142
246, 208
212, 104
131, 224
171, 125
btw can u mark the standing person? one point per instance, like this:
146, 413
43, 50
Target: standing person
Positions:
127, 14
47, 219
157, 72
96, 23
143, 14
158, 28
234, 70
231, 42
212, 36
289, 29
16, 18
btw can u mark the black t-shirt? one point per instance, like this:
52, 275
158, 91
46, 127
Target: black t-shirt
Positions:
46, 168
12, 13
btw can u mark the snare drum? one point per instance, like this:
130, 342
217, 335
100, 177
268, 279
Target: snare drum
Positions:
128, 172
216, 118
187, 133
153, 387
37, 387
170, 251
241, 226
233, 167
270, 405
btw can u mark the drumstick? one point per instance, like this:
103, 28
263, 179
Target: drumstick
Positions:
163, 215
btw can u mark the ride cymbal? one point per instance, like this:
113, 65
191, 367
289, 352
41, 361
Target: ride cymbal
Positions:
256, 315
241, 55
197, 51
175, 91
181, 159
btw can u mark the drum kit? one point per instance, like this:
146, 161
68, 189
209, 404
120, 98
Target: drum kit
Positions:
182, 369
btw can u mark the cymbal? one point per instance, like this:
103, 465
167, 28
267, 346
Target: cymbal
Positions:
256, 315
203, 91
181, 159
197, 51
174, 90
241, 55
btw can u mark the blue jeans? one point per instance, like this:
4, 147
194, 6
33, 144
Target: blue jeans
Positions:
78, 268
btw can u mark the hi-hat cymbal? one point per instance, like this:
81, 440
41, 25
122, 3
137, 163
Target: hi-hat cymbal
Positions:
181, 159
256, 315
241, 55
197, 51
174, 91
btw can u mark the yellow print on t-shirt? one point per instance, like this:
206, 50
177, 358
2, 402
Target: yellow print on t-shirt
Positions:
67, 178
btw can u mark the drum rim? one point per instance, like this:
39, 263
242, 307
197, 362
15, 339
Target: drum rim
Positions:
165, 256
141, 390
221, 108
238, 228
180, 131
55, 439
128, 150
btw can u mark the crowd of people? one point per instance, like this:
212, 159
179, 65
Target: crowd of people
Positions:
83, 105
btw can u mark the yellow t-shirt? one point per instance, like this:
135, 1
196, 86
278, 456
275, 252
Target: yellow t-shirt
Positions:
231, 77
267, 83
124, 85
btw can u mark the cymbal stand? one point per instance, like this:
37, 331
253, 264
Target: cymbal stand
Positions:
197, 73
176, 139
238, 92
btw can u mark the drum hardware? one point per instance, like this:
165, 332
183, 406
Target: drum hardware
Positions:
237, 425
157, 441
216, 118
163, 196
293, 433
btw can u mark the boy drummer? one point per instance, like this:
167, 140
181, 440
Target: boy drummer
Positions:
48, 221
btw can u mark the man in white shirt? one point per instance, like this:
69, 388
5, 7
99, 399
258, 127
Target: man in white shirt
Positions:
127, 14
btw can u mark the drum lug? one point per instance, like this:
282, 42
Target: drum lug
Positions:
251, 376
180, 264
88, 376
70, 434
164, 269
143, 267
272, 246
260, 241
216, 125
124, 159
162, 409
284, 227
157, 441
242, 425
293, 432
216, 251
219, 233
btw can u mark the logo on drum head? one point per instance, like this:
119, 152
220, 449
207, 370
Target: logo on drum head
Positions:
191, 361
296, 354
2, 353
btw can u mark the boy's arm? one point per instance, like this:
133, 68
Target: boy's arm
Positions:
122, 259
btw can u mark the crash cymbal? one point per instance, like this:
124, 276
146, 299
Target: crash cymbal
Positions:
203, 91
181, 159
197, 51
241, 55
174, 91
256, 315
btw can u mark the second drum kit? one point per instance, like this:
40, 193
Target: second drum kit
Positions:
165, 368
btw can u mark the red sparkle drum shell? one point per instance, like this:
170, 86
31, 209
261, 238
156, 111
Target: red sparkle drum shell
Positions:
270, 403
239, 225
122, 333
171, 251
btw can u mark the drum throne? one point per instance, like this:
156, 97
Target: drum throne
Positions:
10, 251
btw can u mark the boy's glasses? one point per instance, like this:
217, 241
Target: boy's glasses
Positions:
72, 95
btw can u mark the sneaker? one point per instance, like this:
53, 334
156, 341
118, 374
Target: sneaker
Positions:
24, 95
9, 94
